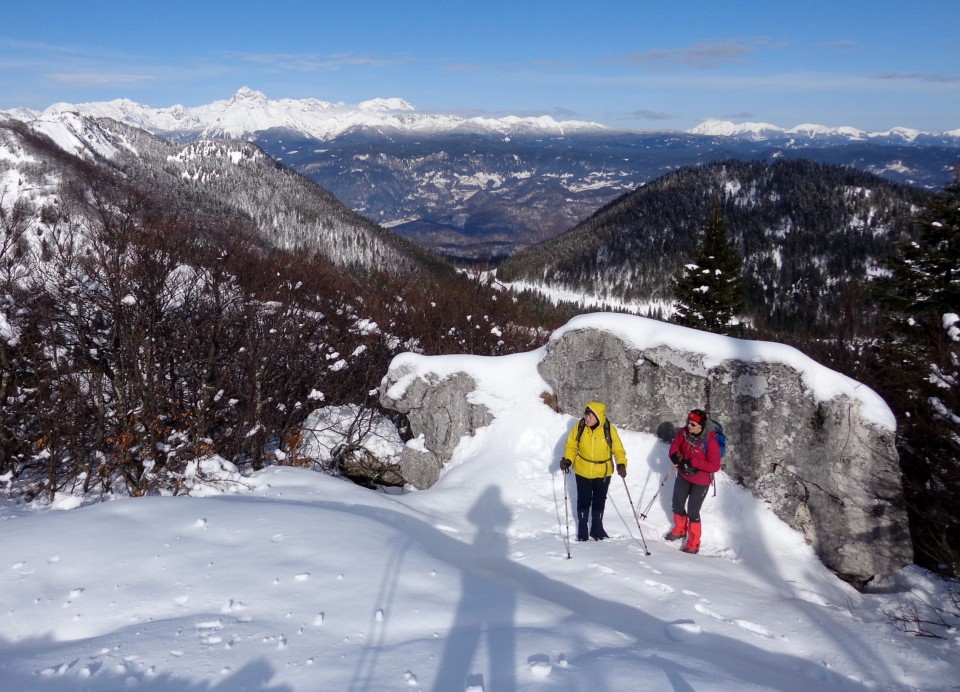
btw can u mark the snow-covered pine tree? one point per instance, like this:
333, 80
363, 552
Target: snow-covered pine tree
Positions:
709, 290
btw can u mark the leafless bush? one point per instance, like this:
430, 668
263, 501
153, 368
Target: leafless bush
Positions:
923, 619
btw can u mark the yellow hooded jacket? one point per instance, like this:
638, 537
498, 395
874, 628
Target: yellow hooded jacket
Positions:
592, 456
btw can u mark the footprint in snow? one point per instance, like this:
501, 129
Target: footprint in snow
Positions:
694, 594
541, 669
666, 588
753, 627
89, 670
208, 626
700, 608
682, 630
603, 569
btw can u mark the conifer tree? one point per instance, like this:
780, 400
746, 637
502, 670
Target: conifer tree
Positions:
926, 275
709, 290
923, 292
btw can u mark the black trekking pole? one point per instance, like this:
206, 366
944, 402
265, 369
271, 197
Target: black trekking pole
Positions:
630, 500
643, 514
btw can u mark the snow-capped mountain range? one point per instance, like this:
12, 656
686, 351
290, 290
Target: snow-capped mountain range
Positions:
480, 187
766, 131
249, 111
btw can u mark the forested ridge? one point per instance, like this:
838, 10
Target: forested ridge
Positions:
809, 235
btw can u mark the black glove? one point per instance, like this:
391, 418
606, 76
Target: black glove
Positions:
686, 468
677, 458
622, 470
565, 465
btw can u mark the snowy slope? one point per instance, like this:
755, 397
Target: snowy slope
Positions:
297, 581
289, 211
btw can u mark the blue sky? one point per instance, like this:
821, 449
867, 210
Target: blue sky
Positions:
634, 64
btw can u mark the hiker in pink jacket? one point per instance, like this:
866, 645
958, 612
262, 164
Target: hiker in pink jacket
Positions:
696, 454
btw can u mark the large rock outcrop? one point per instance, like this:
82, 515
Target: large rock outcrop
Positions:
822, 455
439, 415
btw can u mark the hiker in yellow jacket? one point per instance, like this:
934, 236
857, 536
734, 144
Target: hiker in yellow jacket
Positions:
592, 447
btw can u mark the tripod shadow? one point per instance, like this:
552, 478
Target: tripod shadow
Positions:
486, 608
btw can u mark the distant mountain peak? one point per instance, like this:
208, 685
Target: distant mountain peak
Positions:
726, 128
393, 104
249, 95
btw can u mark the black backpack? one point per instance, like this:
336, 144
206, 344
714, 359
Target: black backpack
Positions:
606, 432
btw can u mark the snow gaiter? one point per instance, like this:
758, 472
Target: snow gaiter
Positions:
693, 540
679, 527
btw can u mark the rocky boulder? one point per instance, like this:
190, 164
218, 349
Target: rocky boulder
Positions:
817, 446
439, 415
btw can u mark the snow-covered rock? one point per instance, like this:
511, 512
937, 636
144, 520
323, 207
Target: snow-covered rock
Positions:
816, 445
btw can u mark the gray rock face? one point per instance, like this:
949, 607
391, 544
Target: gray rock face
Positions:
825, 469
438, 410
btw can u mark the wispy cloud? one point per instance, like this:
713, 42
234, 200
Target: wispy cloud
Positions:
919, 77
95, 79
741, 116
706, 55
840, 45
85, 67
317, 62
461, 67
38, 52
651, 115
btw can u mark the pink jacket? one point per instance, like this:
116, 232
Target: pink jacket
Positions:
702, 451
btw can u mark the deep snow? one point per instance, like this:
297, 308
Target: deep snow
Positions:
293, 580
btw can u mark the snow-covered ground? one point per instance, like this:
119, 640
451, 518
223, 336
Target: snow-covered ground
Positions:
292, 580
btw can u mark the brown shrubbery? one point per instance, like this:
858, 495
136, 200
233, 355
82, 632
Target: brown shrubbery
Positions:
142, 337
